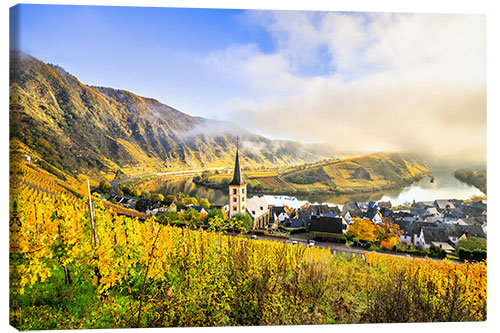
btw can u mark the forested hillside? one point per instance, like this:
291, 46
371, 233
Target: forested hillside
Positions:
95, 130
371, 170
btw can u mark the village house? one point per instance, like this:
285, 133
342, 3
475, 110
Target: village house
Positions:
416, 231
352, 209
386, 212
454, 232
406, 228
169, 207
374, 216
373, 213
457, 203
363, 206
148, 206
434, 219
278, 214
475, 209
296, 222
431, 211
448, 235
330, 227
203, 212
454, 213
443, 205
323, 210
420, 208
258, 209
436, 236
385, 204
303, 215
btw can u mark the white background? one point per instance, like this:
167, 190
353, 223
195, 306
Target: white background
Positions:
419, 6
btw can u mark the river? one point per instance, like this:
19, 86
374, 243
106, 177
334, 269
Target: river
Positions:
445, 186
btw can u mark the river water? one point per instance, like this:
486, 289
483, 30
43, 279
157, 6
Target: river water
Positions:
445, 186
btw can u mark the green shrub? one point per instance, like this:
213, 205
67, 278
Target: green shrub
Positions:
437, 252
478, 255
464, 254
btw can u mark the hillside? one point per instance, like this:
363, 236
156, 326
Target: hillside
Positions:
364, 173
101, 131
372, 170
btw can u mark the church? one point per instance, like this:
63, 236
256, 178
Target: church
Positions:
256, 207
237, 190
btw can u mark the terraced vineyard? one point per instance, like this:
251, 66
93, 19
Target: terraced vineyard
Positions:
67, 272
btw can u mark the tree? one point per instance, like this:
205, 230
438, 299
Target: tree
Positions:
472, 243
437, 252
241, 222
126, 189
214, 212
216, 223
120, 193
389, 232
204, 203
135, 192
180, 198
206, 174
191, 217
170, 198
145, 194
363, 229
191, 201
157, 197
171, 216
105, 187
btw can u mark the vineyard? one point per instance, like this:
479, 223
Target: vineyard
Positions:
67, 272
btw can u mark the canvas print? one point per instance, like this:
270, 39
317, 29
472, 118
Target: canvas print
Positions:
196, 167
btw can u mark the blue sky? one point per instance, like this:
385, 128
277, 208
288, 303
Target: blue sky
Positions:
155, 52
302, 75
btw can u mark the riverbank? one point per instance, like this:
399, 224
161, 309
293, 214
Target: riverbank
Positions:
315, 190
473, 178
445, 186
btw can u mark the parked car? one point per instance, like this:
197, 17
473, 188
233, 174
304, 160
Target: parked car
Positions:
294, 242
254, 236
312, 243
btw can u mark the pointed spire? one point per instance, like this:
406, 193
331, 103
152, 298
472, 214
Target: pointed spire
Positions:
237, 176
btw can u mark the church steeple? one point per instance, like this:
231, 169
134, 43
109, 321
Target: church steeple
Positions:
237, 176
237, 189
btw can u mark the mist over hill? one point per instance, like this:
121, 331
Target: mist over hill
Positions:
91, 130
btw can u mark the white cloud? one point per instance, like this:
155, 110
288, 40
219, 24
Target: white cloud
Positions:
392, 81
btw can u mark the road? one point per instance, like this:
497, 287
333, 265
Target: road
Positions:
333, 247
338, 248
115, 183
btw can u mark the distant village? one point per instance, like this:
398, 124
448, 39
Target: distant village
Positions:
442, 223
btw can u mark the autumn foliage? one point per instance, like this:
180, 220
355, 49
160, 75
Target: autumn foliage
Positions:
122, 272
364, 229
387, 234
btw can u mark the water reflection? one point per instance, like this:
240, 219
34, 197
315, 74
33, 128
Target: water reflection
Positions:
445, 186
186, 186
